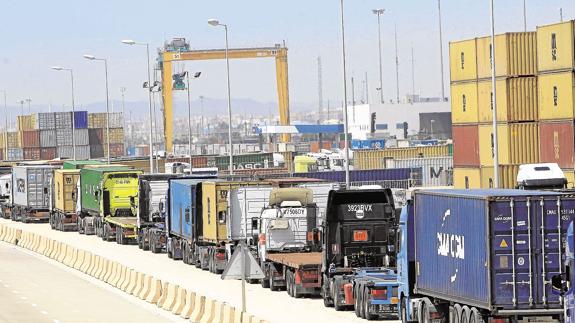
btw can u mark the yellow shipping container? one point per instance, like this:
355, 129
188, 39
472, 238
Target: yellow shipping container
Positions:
27, 122
516, 100
555, 47
375, 159
518, 143
116, 135
215, 208
2, 140
570, 175
556, 96
507, 176
14, 140
466, 178
65, 181
464, 103
515, 55
463, 60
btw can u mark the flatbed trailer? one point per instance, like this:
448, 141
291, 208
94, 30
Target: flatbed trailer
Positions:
301, 272
125, 229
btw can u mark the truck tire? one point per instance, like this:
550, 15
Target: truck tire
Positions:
265, 282
475, 316
465, 314
455, 313
367, 314
334, 297
273, 287
425, 315
288, 283
403, 310
357, 301
120, 236
327, 302
153, 248
145, 237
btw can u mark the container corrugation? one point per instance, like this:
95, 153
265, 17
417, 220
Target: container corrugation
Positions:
116, 120
372, 175
31, 153
463, 60
518, 143
82, 152
27, 122
249, 161
430, 171
96, 151
557, 143
65, 187
81, 119
116, 150
46, 121
14, 140
33, 183
507, 176
63, 120
97, 120
465, 248
96, 136
64, 137
467, 177
116, 135
465, 145
515, 54
2, 140
141, 163
516, 100
48, 153
555, 47
81, 137
15, 154
65, 152
2, 155
48, 138
464, 103
556, 96
30, 138
375, 159
142, 150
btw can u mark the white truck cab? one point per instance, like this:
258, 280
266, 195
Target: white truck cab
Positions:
541, 176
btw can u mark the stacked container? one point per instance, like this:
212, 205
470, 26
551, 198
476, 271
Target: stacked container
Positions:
472, 108
556, 66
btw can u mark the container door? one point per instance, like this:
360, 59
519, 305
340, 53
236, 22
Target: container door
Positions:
46, 181
34, 187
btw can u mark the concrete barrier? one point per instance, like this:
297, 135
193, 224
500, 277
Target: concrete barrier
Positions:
164, 295
36, 245
62, 252
79, 259
74, 257
155, 291
119, 272
2, 228
133, 281
24, 240
114, 276
228, 314
110, 271
180, 301
128, 280
143, 294
102, 268
121, 277
54, 251
10, 236
87, 262
189, 305
248, 318
219, 311
45, 246
209, 312
94, 265
139, 284
198, 311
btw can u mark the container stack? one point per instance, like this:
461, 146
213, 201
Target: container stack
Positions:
97, 124
472, 108
556, 66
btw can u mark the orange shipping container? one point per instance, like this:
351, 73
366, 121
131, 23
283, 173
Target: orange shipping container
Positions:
465, 145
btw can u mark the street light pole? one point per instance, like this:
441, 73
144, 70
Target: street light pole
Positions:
379, 13
441, 52
345, 123
525, 15
5, 157
190, 114
59, 68
494, 94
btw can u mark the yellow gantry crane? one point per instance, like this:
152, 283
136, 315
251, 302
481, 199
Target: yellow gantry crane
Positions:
181, 53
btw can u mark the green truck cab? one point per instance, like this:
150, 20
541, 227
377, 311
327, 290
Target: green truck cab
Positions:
109, 197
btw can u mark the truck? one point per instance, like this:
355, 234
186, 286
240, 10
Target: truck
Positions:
151, 211
63, 215
31, 193
109, 197
563, 283
482, 255
288, 244
6, 195
358, 254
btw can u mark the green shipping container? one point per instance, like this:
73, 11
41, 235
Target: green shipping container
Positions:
247, 161
109, 191
79, 164
450, 149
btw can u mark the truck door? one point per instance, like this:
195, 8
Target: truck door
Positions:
106, 202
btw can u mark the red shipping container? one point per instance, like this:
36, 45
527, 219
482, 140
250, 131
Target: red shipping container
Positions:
465, 145
116, 150
47, 153
314, 146
31, 139
557, 143
31, 153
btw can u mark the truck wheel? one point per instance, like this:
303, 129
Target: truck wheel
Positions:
273, 287
425, 315
153, 244
145, 237
120, 236
465, 314
475, 316
288, 283
140, 241
327, 302
295, 292
265, 282
458, 312
403, 310
357, 302
368, 315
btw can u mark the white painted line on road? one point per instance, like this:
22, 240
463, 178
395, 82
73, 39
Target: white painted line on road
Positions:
34, 305
6, 286
55, 321
44, 312
14, 292
23, 297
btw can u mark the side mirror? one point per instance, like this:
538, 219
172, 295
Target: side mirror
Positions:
559, 283
161, 206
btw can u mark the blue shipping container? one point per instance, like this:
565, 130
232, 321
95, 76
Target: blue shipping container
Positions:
368, 144
371, 175
487, 248
131, 151
182, 195
81, 119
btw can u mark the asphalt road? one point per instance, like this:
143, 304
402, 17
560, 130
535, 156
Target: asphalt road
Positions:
34, 289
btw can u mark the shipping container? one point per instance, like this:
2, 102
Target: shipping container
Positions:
31, 153
368, 144
48, 138
2, 140
79, 164
116, 120
140, 163
96, 151
516, 100
515, 54
507, 176
14, 140
375, 158
116, 136
65, 181
15, 154
81, 137
465, 145
518, 143
64, 137
430, 171
32, 186
556, 96
81, 119
248, 161
466, 177
570, 176
82, 152
97, 120
96, 136
116, 150
46, 121
27, 122
556, 47
48, 153
65, 152
463, 60
63, 120
372, 175
496, 250
464, 103
183, 208
30, 139
557, 143
316, 148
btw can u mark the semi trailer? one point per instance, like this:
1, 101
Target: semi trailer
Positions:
6, 195
31, 193
63, 215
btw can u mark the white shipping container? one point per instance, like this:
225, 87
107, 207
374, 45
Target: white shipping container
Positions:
48, 138
5, 184
434, 170
46, 121
65, 152
83, 152
81, 137
31, 186
116, 120
15, 154
245, 204
63, 120
64, 137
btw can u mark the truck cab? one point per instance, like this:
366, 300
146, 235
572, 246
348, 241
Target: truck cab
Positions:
541, 176
5, 195
563, 283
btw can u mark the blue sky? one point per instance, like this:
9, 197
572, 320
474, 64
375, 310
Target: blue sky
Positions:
38, 34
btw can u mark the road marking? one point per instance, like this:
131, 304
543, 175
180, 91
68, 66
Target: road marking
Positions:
55, 321
34, 305
23, 297
44, 312
6, 286
14, 292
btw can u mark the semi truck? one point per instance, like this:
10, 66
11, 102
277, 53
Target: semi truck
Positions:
563, 283
63, 215
109, 197
482, 255
358, 251
31, 193
6, 195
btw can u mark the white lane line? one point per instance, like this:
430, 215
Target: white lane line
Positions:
34, 305
14, 292
55, 321
23, 297
6, 286
44, 312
